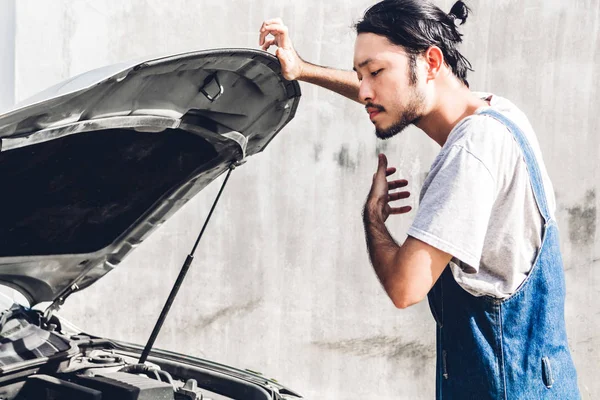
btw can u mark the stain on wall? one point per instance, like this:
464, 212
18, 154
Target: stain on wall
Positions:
382, 146
582, 220
317, 151
380, 346
227, 313
344, 159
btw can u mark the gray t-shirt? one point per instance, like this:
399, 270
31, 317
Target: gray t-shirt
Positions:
477, 203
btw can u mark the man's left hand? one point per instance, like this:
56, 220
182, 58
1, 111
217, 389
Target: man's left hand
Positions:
383, 193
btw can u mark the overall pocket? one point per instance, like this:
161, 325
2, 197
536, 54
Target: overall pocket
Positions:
547, 372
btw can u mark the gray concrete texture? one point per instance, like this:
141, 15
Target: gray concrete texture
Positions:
282, 283
7, 51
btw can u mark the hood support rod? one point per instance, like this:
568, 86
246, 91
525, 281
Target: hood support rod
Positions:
180, 278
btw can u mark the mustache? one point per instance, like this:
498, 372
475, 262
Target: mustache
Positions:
376, 106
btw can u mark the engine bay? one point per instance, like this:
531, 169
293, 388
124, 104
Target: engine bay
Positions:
104, 374
42, 360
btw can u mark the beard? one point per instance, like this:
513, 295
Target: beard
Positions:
409, 117
412, 113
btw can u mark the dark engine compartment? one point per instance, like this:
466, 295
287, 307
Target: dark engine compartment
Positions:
39, 360
102, 375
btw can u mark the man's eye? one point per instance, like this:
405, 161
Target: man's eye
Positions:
376, 72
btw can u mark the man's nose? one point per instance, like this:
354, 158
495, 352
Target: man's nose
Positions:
365, 92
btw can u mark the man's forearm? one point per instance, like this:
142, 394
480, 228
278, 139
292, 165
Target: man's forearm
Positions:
383, 250
337, 80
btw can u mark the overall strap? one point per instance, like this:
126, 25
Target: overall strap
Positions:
535, 175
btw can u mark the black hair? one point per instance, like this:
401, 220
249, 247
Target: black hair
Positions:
417, 25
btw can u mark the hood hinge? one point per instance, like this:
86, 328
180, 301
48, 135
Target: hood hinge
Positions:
242, 141
57, 304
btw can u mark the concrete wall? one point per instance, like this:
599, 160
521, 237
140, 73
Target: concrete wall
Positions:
282, 283
7, 51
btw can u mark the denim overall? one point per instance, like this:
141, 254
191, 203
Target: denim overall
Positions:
514, 348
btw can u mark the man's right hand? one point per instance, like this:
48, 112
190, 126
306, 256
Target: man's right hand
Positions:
295, 68
291, 63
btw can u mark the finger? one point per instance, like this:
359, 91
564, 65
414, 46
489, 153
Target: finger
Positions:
269, 27
261, 37
397, 184
268, 44
277, 20
398, 196
272, 25
390, 171
382, 166
265, 24
280, 32
400, 210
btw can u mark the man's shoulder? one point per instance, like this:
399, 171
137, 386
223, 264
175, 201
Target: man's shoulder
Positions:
478, 132
508, 109
481, 130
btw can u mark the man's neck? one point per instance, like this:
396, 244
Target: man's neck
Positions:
453, 105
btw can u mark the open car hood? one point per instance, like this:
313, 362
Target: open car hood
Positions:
90, 167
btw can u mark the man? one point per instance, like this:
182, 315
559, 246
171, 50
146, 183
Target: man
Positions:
484, 245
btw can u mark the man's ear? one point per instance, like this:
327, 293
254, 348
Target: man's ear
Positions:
434, 60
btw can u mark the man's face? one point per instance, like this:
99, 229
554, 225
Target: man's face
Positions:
389, 87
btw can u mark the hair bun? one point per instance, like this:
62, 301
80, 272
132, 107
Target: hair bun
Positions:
459, 12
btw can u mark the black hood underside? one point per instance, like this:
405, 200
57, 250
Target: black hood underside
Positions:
77, 194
